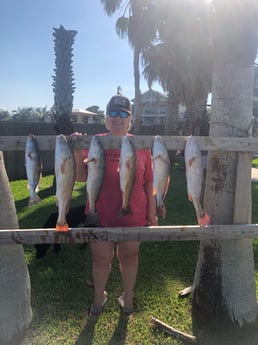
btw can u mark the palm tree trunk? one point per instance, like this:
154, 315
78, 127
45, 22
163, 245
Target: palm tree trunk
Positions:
16, 313
171, 127
224, 297
138, 96
193, 116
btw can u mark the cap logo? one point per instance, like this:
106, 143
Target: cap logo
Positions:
119, 101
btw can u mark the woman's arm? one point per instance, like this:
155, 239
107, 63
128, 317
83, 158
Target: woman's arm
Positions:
151, 203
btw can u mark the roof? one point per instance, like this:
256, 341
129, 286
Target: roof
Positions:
79, 111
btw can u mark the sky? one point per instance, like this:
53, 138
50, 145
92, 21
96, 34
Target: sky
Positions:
101, 61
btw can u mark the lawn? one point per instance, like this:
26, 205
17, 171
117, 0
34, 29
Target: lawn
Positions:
62, 289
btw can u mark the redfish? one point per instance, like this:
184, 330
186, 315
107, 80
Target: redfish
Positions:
194, 178
96, 169
33, 165
161, 173
65, 179
127, 172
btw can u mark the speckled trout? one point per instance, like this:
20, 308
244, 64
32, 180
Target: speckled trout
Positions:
33, 165
194, 178
161, 173
96, 169
65, 178
127, 171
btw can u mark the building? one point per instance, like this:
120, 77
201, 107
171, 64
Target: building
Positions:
82, 116
154, 108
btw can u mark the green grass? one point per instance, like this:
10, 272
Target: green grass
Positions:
61, 294
255, 163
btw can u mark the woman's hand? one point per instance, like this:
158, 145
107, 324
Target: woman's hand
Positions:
153, 221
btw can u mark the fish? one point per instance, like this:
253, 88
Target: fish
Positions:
33, 163
195, 178
65, 179
127, 173
96, 164
161, 173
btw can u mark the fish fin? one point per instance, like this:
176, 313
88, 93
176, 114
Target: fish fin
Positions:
166, 188
190, 197
86, 160
62, 168
62, 228
190, 162
161, 211
37, 188
203, 220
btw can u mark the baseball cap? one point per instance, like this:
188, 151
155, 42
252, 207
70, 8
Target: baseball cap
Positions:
119, 103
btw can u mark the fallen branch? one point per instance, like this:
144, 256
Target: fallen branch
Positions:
186, 291
190, 339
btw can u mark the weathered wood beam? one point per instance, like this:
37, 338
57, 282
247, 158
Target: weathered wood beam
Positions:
246, 144
159, 233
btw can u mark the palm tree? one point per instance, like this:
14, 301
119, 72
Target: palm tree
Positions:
224, 295
184, 71
63, 85
16, 313
158, 68
137, 26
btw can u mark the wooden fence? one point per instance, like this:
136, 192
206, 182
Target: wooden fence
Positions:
14, 159
244, 146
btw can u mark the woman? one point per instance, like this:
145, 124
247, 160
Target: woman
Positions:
142, 204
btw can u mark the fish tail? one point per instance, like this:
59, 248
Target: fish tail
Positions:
161, 211
203, 220
190, 197
92, 220
125, 211
34, 200
62, 227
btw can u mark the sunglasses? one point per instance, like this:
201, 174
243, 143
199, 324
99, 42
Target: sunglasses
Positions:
122, 114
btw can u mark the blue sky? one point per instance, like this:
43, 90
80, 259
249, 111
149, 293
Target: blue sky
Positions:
101, 60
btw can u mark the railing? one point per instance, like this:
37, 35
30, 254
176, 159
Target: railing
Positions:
245, 146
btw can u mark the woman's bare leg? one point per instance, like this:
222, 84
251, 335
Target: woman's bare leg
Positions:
102, 256
127, 253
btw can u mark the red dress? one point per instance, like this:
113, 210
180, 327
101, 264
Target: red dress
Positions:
110, 200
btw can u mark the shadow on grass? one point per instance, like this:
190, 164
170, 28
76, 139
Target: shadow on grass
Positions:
118, 337
86, 336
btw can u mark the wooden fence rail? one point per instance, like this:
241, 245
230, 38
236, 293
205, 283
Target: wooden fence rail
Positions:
236, 144
158, 233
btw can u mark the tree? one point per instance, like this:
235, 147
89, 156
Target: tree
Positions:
224, 295
182, 67
100, 117
4, 115
158, 68
137, 26
63, 85
31, 114
16, 313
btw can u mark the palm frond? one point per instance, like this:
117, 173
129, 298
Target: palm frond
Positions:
122, 26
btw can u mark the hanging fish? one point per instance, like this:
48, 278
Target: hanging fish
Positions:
161, 173
33, 165
65, 179
194, 178
96, 170
127, 171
